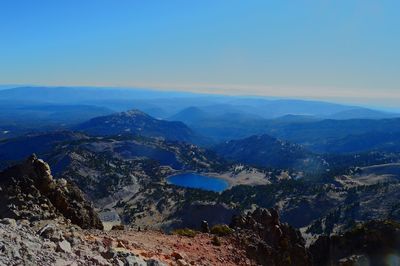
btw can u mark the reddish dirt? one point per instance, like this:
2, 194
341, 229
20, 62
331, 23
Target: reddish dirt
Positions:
169, 249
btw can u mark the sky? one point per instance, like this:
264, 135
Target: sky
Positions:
339, 50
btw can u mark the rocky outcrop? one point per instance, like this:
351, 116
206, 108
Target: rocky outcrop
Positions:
28, 191
373, 243
270, 242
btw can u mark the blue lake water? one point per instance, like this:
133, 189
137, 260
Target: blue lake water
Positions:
192, 180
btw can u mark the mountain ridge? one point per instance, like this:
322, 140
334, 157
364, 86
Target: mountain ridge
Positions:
136, 122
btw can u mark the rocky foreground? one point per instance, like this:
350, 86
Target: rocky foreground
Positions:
44, 221
57, 243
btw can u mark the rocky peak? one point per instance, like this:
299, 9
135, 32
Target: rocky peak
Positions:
269, 241
134, 112
28, 191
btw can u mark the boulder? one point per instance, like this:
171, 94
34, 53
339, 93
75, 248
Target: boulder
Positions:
9, 222
133, 260
99, 260
64, 246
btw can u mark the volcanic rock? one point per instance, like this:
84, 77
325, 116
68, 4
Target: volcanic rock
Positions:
30, 192
270, 242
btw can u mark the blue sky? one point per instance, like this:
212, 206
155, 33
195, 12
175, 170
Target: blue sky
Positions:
335, 50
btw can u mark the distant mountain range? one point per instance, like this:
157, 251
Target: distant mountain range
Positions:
320, 127
165, 104
316, 134
194, 114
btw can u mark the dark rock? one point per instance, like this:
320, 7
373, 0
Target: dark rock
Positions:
215, 241
204, 227
118, 227
109, 254
31, 193
374, 241
153, 262
268, 241
176, 255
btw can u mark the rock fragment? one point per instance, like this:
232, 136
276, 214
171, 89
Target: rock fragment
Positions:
64, 246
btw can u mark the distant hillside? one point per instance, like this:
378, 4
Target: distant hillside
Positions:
277, 108
362, 113
37, 115
136, 122
190, 115
21, 147
294, 119
11, 131
318, 136
371, 141
264, 151
209, 115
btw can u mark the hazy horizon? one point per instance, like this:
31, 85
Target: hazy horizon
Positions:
216, 93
